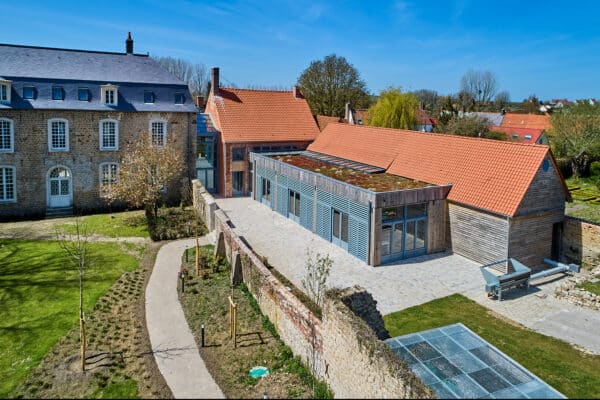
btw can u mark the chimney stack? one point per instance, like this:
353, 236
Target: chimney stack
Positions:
296, 92
129, 44
200, 101
214, 81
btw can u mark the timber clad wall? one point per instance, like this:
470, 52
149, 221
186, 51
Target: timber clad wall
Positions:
477, 235
531, 238
436, 226
545, 193
32, 160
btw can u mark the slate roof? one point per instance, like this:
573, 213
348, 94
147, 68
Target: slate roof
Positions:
245, 115
531, 121
488, 174
44, 68
521, 132
493, 118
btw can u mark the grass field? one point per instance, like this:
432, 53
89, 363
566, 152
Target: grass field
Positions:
39, 299
586, 199
123, 224
568, 370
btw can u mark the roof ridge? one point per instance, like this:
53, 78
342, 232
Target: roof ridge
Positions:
75, 50
443, 135
255, 90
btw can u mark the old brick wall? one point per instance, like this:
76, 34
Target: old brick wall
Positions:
33, 161
345, 345
581, 241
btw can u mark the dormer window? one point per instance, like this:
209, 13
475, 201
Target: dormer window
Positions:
527, 137
148, 97
179, 98
58, 93
5, 91
83, 94
108, 94
28, 92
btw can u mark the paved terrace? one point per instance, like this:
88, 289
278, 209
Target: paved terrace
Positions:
409, 282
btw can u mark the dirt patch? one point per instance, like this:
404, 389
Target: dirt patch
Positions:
119, 348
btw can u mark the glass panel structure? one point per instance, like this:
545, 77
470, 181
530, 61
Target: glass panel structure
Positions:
456, 363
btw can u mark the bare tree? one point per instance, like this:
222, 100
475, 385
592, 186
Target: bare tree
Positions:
195, 75
502, 100
428, 98
75, 248
481, 85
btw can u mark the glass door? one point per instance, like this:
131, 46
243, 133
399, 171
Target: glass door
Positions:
294, 206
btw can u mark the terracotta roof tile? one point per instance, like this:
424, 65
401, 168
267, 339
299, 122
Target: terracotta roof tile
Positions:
531, 121
324, 120
244, 115
488, 174
521, 132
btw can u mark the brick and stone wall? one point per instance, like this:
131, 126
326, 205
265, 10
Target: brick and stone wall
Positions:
581, 241
33, 160
345, 345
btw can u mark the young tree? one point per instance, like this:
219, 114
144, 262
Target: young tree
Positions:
195, 75
481, 85
330, 83
75, 248
575, 134
394, 109
145, 173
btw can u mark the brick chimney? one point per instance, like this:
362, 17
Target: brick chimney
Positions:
200, 101
214, 81
129, 44
296, 92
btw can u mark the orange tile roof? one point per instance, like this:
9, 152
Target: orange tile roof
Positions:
324, 120
244, 115
531, 121
378, 148
521, 132
489, 174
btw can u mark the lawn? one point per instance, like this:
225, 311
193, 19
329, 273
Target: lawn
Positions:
39, 299
586, 199
568, 370
124, 224
592, 287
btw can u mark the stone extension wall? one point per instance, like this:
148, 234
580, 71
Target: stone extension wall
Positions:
581, 241
345, 346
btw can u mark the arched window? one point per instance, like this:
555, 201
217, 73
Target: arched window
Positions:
109, 134
58, 134
7, 136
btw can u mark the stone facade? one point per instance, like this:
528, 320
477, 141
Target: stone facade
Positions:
33, 160
581, 241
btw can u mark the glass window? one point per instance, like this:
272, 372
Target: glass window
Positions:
28, 92
238, 182
158, 133
416, 210
109, 96
515, 135
108, 176
148, 97
397, 245
6, 135
392, 213
336, 223
266, 189
527, 137
344, 229
386, 234
58, 135
58, 93
83, 94
179, 98
294, 203
3, 92
340, 225
108, 135
7, 184
238, 154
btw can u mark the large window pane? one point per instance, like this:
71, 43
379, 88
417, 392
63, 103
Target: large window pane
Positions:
336, 223
344, 227
386, 233
297, 205
420, 234
391, 213
397, 245
410, 235
416, 210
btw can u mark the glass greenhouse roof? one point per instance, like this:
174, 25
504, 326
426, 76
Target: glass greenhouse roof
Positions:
457, 363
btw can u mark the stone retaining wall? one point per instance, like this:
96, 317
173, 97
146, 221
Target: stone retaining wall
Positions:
581, 241
578, 296
344, 347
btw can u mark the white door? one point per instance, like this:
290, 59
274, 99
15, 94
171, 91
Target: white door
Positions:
59, 185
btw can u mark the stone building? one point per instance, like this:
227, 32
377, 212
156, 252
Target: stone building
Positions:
247, 121
387, 194
67, 118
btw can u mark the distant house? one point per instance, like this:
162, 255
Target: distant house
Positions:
493, 119
522, 135
67, 117
387, 194
530, 121
254, 121
425, 122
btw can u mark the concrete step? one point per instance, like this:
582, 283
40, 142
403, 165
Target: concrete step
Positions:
59, 212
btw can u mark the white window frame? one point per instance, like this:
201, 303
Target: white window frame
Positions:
11, 134
58, 149
101, 186
7, 85
101, 134
162, 121
106, 88
14, 183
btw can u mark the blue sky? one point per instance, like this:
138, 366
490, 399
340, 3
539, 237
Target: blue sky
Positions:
547, 48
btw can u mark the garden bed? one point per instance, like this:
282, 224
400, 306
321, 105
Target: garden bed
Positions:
205, 301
